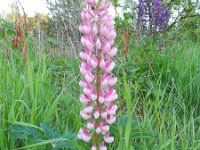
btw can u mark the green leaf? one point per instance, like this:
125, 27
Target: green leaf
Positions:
142, 135
52, 40
42, 143
68, 135
128, 105
1, 139
26, 132
48, 131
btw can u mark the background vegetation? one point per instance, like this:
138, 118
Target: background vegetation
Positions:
159, 90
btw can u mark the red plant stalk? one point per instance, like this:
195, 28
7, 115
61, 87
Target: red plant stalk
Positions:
126, 44
21, 32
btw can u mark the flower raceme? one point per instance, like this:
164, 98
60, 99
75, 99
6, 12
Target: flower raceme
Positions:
153, 14
160, 16
99, 96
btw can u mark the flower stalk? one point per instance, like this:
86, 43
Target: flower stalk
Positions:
99, 96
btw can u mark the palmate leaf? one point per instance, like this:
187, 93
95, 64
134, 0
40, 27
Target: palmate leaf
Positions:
42, 135
123, 121
19, 135
137, 131
26, 132
68, 135
49, 133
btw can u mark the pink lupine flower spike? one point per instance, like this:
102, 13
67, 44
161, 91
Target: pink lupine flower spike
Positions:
99, 96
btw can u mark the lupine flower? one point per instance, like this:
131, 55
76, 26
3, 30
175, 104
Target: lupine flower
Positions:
142, 15
99, 96
164, 19
156, 9
158, 16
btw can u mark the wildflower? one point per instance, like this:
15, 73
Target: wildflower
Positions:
99, 96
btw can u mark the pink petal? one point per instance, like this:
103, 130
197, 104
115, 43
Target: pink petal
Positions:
89, 78
108, 98
79, 136
94, 147
89, 45
104, 82
95, 29
101, 99
110, 67
88, 109
102, 146
89, 15
112, 35
114, 97
105, 7
103, 30
98, 130
108, 139
83, 41
85, 29
87, 91
86, 137
96, 114
110, 119
112, 80
83, 55
83, 99
84, 115
93, 95
105, 128
107, 47
102, 64
98, 44
83, 14
91, 2
94, 62
90, 125
113, 110
82, 83
104, 114
83, 71
113, 52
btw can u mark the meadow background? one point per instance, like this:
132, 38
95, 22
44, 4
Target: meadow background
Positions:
158, 79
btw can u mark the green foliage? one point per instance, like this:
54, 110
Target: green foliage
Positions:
125, 23
163, 84
41, 135
115, 2
190, 28
6, 29
158, 89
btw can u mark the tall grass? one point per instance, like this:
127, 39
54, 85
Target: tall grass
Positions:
159, 97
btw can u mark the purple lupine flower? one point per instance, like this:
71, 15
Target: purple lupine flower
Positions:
142, 15
160, 17
156, 8
99, 96
164, 18
155, 12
